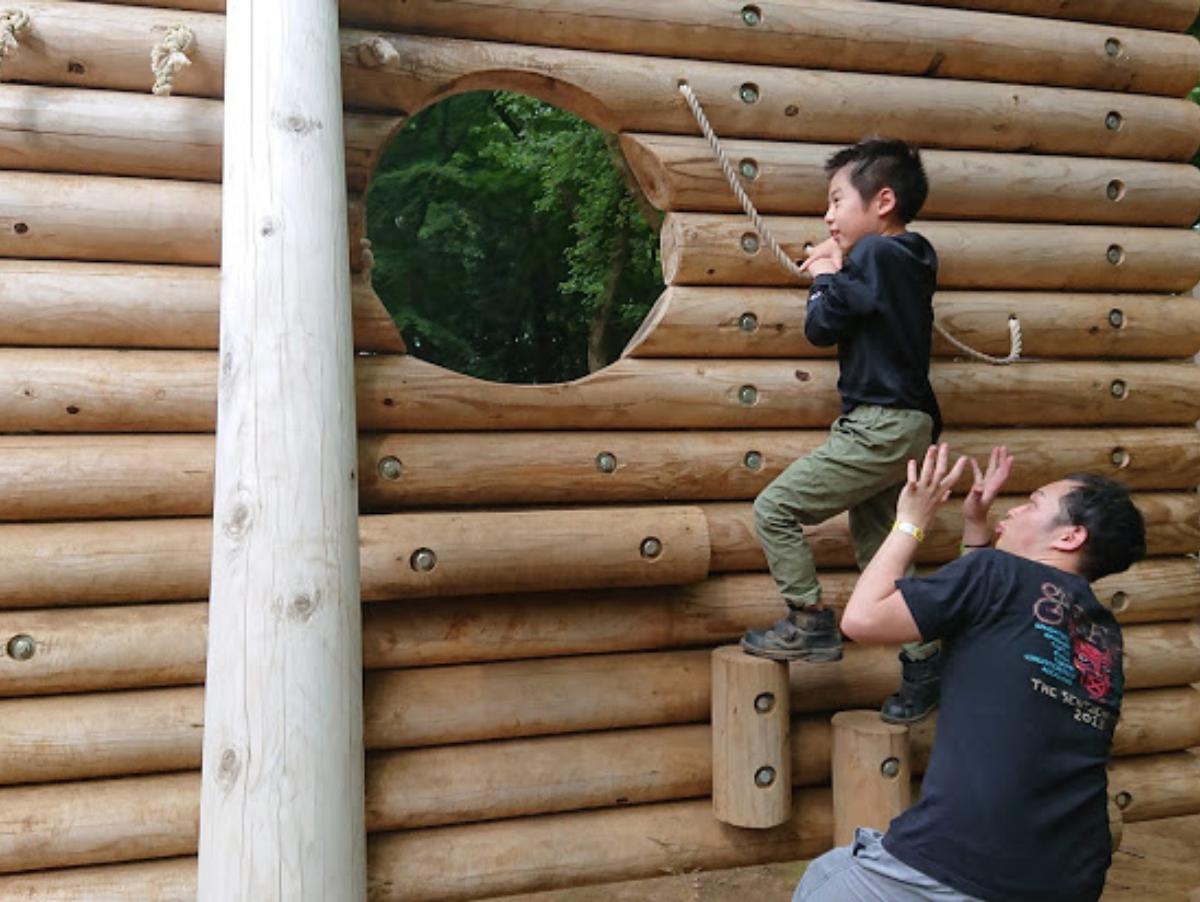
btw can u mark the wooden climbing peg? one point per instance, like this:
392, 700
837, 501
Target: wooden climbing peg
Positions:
751, 729
872, 779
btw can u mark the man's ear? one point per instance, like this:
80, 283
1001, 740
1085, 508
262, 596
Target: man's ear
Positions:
1069, 538
885, 201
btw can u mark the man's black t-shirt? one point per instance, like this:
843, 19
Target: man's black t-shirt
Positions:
1014, 803
878, 310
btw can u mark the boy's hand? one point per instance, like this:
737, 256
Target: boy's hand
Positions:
824, 259
928, 490
987, 486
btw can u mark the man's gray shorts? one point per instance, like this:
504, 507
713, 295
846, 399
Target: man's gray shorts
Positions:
864, 870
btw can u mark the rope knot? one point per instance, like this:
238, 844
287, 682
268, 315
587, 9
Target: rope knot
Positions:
376, 51
14, 24
169, 56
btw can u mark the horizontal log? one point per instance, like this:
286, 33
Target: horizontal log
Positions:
162, 880
103, 218
115, 647
65, 304
102, 734
404, 555
440, 705
635, 93
822, 34
1172, 527
680, 173
44, 390
689, 321
121, 133
1167, 15
136, 646
72, 477
403, 393
98, 821
639, 93
531, 550
52, 564
1156, 786
711, 249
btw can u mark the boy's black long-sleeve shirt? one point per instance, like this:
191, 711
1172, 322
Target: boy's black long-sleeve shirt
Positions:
878, 310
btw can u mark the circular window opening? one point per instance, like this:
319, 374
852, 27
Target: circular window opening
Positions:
510, 239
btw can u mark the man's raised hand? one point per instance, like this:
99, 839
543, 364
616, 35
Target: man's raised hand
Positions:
987, 485
928, 489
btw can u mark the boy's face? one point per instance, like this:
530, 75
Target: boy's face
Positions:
850, 217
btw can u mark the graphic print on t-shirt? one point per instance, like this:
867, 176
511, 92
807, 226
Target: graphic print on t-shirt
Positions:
1081, 661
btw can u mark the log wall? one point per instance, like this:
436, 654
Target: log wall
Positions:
545, 568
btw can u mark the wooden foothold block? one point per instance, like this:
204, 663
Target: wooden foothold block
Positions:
872, 779
751, 730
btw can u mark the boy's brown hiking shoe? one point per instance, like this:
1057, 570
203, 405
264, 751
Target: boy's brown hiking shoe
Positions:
802, 635
920, 690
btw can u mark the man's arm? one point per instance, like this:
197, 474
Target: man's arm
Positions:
877, 612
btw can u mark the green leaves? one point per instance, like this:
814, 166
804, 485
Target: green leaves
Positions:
506, 240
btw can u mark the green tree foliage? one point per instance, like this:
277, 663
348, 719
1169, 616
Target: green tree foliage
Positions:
507, 242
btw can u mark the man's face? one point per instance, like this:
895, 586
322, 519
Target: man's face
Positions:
1032, 527
849, 216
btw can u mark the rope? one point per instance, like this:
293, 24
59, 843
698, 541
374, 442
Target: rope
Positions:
169, 56
14, 24
376, 51
731, 176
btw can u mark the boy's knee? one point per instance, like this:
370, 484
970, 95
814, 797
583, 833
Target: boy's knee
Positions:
770, 513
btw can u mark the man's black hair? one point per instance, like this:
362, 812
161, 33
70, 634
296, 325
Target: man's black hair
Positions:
1116, 532
878, 163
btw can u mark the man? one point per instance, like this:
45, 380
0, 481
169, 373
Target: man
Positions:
1014, 803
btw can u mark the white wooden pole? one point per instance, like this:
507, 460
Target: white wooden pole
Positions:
282, 800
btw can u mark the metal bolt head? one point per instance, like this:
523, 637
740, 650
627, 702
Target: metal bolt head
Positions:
748, 322
1118, 389
749, 169
21, 647
1115, 189
750, 243
1120, 601
1120, 458
390, 468
764, 702
748, 92
764, 776
423, 560
748, 395
1112, 47
1115, 254
1116, 317
751, 15
651, 547
1113, 121
890, 767
1123, 800
606, 462
753, 460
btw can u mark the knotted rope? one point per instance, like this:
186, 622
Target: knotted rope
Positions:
376, 51
731, 176
169, 56
14, 24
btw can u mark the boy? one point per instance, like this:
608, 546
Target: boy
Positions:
1014, 802
872, 291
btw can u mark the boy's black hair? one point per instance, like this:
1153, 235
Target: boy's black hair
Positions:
1116, 531
880, 162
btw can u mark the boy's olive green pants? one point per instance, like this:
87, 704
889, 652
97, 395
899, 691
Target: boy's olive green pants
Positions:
861, 468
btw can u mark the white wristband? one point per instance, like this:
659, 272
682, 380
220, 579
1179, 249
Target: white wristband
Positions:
911, 528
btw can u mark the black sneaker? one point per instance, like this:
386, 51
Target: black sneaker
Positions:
920, 690
800, 636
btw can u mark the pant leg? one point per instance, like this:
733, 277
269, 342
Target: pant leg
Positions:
866, 452
909, 433
864, 871
870, 523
